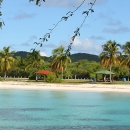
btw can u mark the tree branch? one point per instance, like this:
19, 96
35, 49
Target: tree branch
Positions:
76, 32
64, 18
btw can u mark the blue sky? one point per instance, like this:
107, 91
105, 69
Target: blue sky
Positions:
25, 23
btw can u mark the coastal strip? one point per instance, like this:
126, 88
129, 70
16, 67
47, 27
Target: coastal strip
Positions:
65, 87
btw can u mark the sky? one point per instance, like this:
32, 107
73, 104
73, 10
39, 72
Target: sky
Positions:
25, 23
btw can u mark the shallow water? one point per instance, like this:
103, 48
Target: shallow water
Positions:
63, 110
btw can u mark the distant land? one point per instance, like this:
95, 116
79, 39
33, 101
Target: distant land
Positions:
74, 57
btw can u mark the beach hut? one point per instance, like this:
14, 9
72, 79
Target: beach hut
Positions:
46, 72
104, 73
43, 72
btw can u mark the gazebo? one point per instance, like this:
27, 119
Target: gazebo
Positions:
104, 73
43, 72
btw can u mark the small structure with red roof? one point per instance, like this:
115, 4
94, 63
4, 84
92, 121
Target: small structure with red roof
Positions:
43, 72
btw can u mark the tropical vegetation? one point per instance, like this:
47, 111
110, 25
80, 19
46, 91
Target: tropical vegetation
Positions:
7, 60
110, 55
60, 60
34, 61
63, 67
126, 57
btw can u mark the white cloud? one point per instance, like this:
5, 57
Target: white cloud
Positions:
43, 53
86, 46
83, 46
69, 3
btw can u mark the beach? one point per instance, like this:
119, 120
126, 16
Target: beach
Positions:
85, 87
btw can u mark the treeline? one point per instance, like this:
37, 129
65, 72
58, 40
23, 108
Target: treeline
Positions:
79, 70
26, 67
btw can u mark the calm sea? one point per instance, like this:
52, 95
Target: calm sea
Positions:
63, 110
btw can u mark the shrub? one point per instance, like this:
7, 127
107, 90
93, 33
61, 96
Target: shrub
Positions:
59, 79
32, 76
1, 79
51, 78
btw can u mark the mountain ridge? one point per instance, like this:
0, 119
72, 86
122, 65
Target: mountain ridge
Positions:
74, 57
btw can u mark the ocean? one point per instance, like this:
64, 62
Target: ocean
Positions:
64, 110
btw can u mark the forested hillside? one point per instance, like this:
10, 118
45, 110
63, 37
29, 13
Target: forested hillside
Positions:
74, 57
80, 56
22, 54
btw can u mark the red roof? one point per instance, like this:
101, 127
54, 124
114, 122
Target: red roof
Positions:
44, 72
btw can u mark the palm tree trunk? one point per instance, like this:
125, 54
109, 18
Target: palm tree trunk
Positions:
36, 71
5, 69
36, 77
5, 75
62, 73
129, 74
110, 72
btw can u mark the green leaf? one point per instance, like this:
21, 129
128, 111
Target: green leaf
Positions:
86, 12
41, 45
91, 10
64, 18
0, 24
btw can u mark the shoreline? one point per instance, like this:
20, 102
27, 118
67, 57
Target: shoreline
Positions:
22, 85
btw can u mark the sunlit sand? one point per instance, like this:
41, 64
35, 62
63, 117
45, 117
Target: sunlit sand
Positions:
64, 87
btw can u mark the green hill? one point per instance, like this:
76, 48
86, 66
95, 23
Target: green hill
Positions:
80, 56
74, 57
23, 54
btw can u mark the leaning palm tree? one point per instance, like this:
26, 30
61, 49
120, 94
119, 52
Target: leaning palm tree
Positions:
110, 55
34, 60
126, 57
58, 51
59, 63
7, 59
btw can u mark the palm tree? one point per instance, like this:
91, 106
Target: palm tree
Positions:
68, 74
58, 51
126, 57
7, 60
60, 61
34, 60
110, 55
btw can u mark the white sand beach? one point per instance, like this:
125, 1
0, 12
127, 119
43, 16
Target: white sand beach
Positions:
86, 87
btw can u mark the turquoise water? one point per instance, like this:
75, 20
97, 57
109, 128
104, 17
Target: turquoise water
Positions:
53, 110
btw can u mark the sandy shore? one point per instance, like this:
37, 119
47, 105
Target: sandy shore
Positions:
64, 87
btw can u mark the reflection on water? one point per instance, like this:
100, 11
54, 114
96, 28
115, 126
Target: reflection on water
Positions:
31, 110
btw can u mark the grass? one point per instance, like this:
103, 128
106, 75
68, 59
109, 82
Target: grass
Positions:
115, 82
66, 81
87, 81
